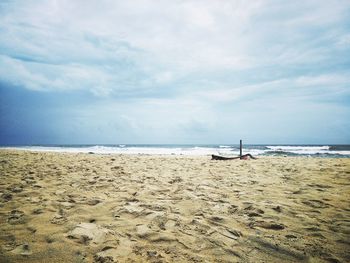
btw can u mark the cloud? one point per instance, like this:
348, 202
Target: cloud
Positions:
106, 46
199, 62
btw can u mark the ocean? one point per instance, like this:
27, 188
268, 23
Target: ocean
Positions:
336, 151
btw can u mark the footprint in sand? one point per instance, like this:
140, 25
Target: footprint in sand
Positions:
107, 255
67, 205
117, 253
278, 251
252, 211
31, 229
58, 220
232, 209
315, 203
155, 207
158, 222
10, 241
90, 233
201, 228
60, 192
93, 201
16, 217
277, 209
23, 250
144, 231
176, 179
269, 225
15, 189
6, 197
133, 209
37, 211
92, 181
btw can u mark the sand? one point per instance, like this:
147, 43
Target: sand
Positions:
59, 207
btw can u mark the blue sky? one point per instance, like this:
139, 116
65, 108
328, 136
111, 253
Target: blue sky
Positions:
142, 71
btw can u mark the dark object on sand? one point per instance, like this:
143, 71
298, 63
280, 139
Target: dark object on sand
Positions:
240, 148
243, 157
218, 157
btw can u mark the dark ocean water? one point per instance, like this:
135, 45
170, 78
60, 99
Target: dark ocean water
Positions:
337, 151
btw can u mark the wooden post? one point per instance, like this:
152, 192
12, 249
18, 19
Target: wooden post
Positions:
240, 148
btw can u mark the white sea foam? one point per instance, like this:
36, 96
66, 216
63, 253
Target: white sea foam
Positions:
190, 150
198, 151
301, 149
298, 148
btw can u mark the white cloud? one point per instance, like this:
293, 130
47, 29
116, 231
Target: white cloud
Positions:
329, 80
181, 36
116, 47
183, 71
307, 87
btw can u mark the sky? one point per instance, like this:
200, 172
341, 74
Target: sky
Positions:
175, 72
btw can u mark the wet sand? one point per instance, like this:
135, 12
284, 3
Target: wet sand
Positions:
59, 207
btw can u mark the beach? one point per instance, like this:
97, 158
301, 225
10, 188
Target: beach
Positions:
80, 207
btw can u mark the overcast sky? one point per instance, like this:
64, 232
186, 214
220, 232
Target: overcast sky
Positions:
174, 71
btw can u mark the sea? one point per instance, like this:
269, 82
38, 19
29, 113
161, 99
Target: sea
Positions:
335, 151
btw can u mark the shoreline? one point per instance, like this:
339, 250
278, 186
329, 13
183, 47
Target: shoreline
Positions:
173, 155
332, 151
78, 207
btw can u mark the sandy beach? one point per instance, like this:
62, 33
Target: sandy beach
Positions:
60, 207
